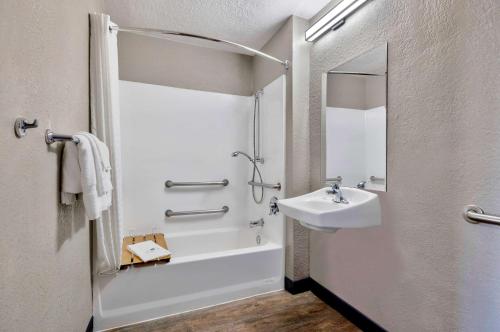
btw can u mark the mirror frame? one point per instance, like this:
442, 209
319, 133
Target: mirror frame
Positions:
324, 91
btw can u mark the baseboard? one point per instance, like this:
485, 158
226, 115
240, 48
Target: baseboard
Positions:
344, 308
90, 325
299, 286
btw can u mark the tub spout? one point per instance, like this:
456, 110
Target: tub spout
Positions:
257, 223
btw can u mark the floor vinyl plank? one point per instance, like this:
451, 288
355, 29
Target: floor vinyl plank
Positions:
274, 312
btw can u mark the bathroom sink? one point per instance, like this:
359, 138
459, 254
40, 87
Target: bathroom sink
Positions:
318, 211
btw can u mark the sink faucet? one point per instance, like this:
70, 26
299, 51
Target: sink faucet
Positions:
337, 194
257, 223
361, 185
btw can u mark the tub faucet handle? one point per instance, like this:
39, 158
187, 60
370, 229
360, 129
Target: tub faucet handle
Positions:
273, 206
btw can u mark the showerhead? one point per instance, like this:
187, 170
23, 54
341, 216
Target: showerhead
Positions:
237, 153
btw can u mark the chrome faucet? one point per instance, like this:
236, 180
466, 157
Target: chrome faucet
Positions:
361, 185
273, 206
337, 194
257, 223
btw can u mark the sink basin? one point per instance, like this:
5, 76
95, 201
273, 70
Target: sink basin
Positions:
318, 211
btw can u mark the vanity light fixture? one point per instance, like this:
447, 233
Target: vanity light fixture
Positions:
334, 19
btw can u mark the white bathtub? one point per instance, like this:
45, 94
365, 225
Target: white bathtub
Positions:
207, 268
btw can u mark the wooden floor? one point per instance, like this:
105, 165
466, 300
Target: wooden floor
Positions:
275, 312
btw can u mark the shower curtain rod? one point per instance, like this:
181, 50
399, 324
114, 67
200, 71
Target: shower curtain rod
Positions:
155, 32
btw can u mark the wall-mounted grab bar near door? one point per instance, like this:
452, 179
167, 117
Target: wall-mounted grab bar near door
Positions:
170, 184
475, 215
170, 213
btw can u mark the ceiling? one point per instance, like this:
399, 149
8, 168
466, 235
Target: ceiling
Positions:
248, 22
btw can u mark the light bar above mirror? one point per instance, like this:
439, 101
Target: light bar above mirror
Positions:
334, 19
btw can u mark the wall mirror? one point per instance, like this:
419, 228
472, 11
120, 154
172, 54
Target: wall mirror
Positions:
354, 121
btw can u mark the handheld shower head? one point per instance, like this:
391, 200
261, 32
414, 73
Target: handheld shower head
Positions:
255, 171
237, 153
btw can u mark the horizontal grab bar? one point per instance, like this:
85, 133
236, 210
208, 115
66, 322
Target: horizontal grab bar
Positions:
475, 215
170, 213
374, 178
276, 186
170, 184
338, 179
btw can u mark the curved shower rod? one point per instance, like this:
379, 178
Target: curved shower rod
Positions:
153, 32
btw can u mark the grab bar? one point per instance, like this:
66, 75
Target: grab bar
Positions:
276, 186
170, 213
475, 215
335, 179
374, 178
170, 184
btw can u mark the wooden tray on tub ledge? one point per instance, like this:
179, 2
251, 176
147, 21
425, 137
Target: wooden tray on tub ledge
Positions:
129, 258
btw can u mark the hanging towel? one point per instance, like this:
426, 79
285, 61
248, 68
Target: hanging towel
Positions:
88, 170
102, 166
71, 184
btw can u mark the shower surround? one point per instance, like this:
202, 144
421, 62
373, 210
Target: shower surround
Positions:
188, 135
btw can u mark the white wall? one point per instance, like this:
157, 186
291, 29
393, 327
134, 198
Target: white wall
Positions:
424, 268
375, 120
188, 135
345, 145
356, 145
273, 151
182, 135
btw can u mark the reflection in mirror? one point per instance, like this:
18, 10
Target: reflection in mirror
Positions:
354, 120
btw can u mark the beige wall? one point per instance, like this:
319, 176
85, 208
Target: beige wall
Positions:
424, 268
279, 46
288, 44
376, 91
164, 62
354, 91
346, 91
45, 268
298, 179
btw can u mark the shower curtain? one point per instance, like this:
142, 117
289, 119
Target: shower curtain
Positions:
105, 124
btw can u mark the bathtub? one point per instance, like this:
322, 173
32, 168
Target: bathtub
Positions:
207, 268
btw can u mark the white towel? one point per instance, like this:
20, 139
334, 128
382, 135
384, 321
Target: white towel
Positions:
88, 170
71, 184
100, 153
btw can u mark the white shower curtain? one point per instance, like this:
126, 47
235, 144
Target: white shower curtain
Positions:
105, 124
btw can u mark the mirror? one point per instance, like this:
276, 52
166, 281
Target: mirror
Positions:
354, 122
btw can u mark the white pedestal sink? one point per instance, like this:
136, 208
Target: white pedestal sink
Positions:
318, 211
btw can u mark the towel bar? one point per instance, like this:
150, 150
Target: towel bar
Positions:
51, 137
170, 213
